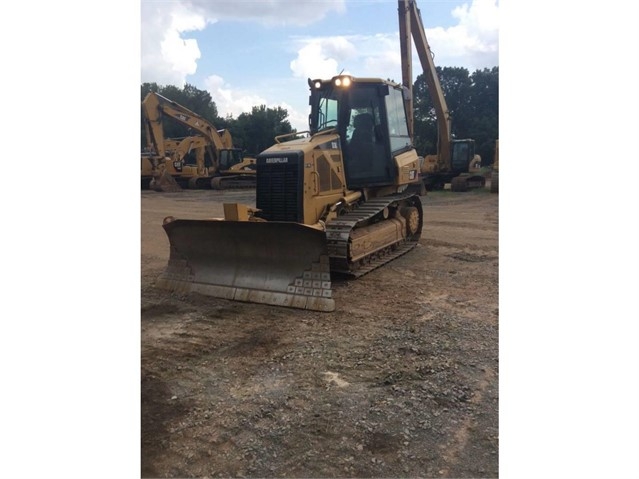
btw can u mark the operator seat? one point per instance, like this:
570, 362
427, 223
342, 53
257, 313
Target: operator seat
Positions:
361, 145
364, 128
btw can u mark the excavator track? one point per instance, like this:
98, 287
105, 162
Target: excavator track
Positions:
339, 234
233, 182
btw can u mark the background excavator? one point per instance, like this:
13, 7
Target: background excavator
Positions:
204, 160
176, 152
334, 201
455, 161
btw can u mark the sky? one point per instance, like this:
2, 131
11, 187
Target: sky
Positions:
250, 52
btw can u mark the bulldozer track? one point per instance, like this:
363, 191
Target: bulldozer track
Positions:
338, 234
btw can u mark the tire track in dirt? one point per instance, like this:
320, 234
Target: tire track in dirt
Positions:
376, 389
450, 452
479, 225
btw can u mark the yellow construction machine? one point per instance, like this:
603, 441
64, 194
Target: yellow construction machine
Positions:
204, 160
455, 161
175, 150
152, 166
333, 201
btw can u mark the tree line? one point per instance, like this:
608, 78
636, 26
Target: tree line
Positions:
472, 99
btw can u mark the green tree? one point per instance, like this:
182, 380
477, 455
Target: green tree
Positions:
196, 100
148, 88
256, 131
456, 86
473, 104
200, 102
484, 127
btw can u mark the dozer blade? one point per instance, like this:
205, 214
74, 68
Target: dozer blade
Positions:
164, 182
283, 264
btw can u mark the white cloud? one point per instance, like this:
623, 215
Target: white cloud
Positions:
381, 56
182, 54
297, 119
474, 42
482, 17
230, 101
375, 55
271, 12
234, 102
167, 58
322, 57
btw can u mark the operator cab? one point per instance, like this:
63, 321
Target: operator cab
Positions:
230, 157
462, 153
370, 118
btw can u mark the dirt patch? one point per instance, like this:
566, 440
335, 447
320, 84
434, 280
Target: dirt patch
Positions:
401, 380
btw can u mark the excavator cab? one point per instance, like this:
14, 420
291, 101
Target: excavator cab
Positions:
462, 153
371, 122
230, 157
464, 166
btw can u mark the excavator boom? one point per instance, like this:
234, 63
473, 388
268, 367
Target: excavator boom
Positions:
210, 169
455, 160
156, 106
410, 25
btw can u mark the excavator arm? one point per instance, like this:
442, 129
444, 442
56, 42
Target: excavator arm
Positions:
156, 106
411, 28
455, 161
152, 120
196, 144
227, 159
155, 172
225, 138
218, 145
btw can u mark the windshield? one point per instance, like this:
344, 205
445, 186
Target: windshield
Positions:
336, 108
327, 113
358, 113
230, 157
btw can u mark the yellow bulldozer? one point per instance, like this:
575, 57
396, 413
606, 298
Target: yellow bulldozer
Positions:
206, 159
333, 201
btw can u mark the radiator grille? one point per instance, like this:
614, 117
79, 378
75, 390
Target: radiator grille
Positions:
279, 189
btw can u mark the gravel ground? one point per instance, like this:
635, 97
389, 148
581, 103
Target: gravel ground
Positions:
401, 380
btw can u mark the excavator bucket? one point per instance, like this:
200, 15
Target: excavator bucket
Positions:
164, 182
283, 264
